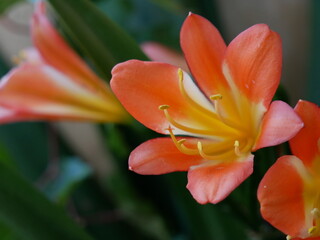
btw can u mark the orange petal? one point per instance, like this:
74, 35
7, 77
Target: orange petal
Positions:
143, 86
204, 49
281, 196
310, 238
160, 53
253, 63
305, 145
213, 183
159, 156
9, 116
57, 53
279, 124
40, 91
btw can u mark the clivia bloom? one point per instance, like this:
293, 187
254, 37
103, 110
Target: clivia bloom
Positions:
53, 83
214, 120
289, 193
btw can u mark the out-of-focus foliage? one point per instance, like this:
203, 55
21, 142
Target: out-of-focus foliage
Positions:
313, 85
99, 38
5, 4
29, 214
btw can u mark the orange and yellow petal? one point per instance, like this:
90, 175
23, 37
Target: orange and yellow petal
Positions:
41, 91
160, 53
279, 124
213, 183
10, 116
159, 156
57, 53
281, 195
253, 63
204, 49
142, 87
306, 144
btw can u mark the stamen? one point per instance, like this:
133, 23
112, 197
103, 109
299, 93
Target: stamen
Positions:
190, 100
203, 154
180, 74
315, 213
179, 144
213, 157
236, 148
312, 230
288, 237
18, 58
216, 97
213, 114
165, 108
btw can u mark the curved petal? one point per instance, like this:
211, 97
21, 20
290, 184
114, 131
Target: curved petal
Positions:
160, 53
309, 238
281, 196
58, 53
204, 49
253, 63
40, 91
279, 124
305, 145
159, 156
213, 183
9, 116
144, 86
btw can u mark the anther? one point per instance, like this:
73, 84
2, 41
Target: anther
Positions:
312, 230
288, 237
216, 97
180, 74
164, 107
236, 148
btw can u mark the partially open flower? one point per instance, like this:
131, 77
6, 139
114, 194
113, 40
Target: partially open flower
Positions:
53, 83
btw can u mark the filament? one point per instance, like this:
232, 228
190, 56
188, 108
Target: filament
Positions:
165, 108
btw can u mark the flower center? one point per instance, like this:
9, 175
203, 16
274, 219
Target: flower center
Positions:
223, 140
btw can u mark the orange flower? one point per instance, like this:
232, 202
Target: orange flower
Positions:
223, 115
289, 193
53, 83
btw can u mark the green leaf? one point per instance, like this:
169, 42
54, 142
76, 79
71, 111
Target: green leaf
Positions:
29, 214
6, 233
26, 144
5, 4
103, 41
